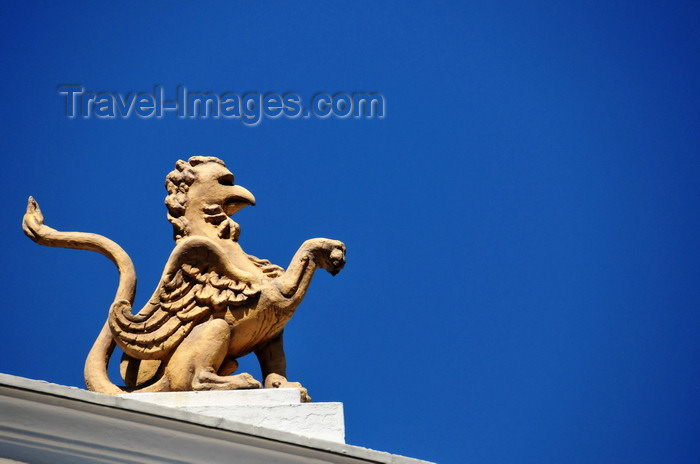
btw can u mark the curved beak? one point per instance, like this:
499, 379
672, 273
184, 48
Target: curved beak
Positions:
238, 198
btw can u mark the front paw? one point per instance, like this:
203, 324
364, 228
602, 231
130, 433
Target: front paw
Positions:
336, 257
278, 381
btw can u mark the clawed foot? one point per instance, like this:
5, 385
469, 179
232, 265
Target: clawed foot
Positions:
332, 255
244, 381
278, 381
212, 381
337, 259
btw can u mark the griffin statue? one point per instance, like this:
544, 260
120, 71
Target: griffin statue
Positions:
214, 303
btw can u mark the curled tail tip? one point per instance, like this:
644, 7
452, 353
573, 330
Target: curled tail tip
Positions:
33, 219
33, 207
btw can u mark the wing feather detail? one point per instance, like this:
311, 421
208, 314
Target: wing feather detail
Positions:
270, 270
198, 282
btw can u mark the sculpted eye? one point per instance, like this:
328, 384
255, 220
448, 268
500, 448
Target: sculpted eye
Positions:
226, 180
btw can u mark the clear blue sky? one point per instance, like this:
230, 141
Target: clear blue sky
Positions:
523, 277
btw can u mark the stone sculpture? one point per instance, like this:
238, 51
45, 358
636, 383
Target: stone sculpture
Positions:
214, 303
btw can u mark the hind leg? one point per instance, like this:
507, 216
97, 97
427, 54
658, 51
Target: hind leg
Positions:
228, 366
197, 361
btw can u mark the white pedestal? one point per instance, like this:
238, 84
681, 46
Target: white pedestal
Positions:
278, 409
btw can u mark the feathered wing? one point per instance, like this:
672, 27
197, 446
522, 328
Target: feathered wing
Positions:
198, 281
270, 270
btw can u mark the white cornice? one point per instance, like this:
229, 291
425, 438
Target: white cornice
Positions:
43, 422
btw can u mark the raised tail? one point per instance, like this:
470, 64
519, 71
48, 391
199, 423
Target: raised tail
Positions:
96, 377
